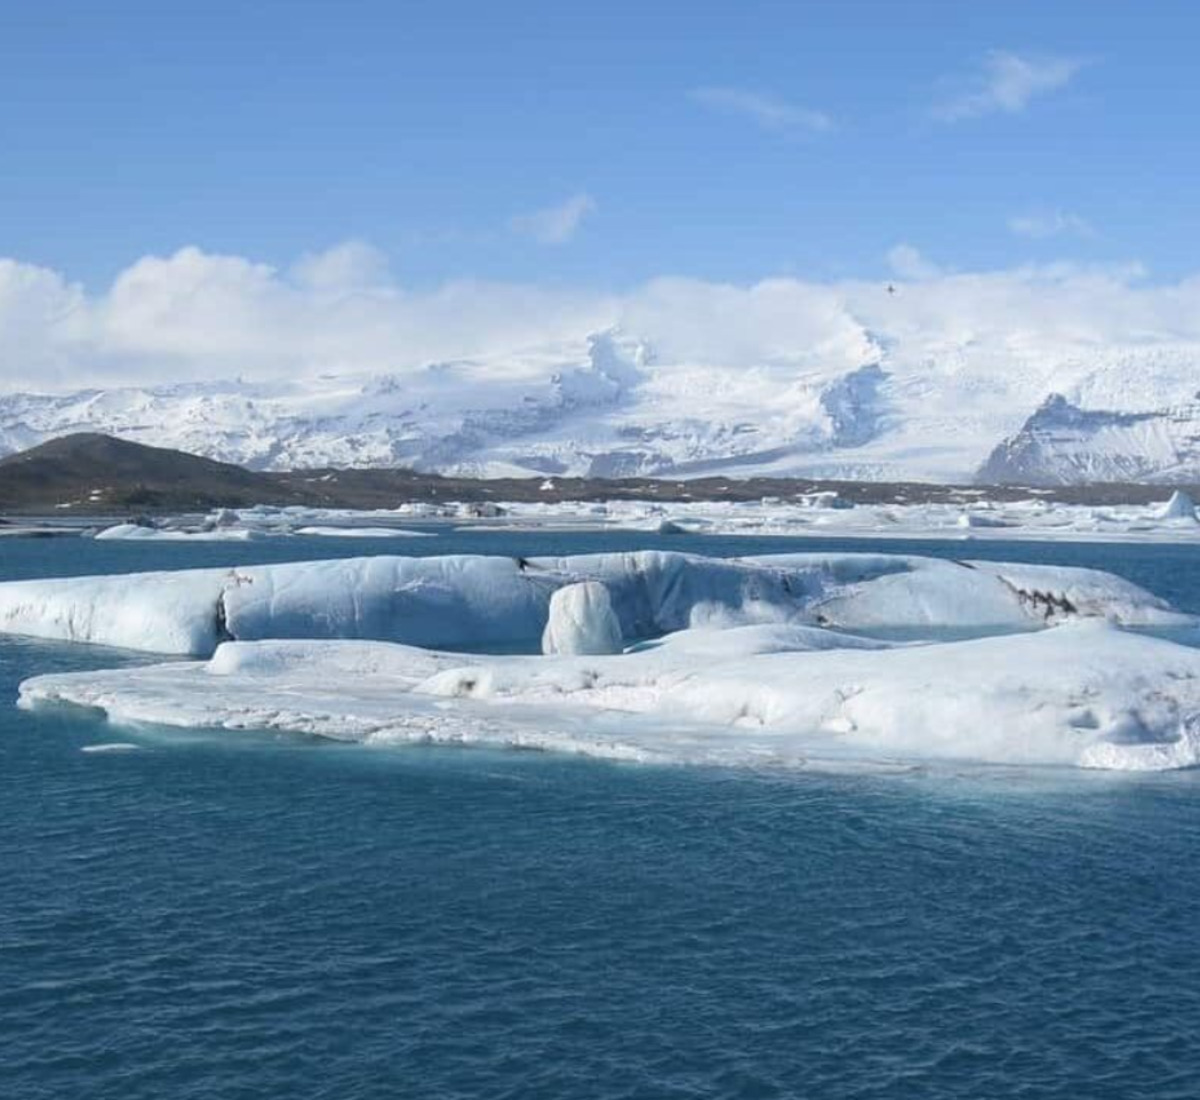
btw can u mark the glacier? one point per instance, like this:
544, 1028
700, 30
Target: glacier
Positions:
884, 404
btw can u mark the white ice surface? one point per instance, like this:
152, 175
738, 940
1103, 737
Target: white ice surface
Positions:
157, 612
361, 532
1085, 694
494, 603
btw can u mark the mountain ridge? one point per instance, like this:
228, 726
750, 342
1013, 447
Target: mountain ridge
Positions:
610, 407
94, 474
1063, 443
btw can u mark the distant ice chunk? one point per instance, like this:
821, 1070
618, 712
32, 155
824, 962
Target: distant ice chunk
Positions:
223, 517
1180, 506
361, 532
824, 499
164, 534
981, 519
582, 621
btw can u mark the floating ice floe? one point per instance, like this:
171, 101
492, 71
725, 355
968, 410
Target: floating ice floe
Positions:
135, 531
965, 514
1085, 694
961, 514
361, 533
479, 603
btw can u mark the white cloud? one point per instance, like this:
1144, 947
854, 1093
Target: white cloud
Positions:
768, 111
555, 224
771, 321
345, 268
1043, 224
907, 262
1008, 82
195, 316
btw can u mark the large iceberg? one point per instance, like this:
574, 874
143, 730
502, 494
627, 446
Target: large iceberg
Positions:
500, 603
1085, 694
778, 659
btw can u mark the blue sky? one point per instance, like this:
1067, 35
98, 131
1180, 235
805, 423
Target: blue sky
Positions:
600, 145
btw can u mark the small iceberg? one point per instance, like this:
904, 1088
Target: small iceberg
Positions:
361, 533
137, 531
1180, 506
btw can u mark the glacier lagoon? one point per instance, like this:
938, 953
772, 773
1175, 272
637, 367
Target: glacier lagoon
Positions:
196, 914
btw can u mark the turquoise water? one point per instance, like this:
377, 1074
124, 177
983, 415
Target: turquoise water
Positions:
241, 916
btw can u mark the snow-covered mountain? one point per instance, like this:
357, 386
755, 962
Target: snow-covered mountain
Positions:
1062, 444
891, 408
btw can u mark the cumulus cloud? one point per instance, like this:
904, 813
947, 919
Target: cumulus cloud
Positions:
555, 224
1042, 224
768, 111
194, 315
1008, 82
43, 325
